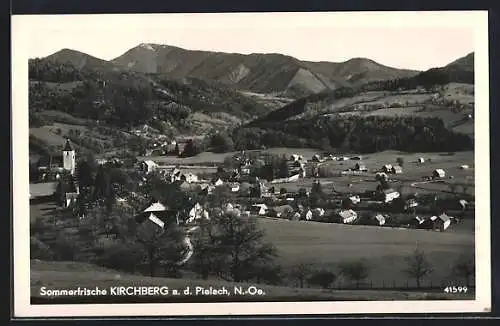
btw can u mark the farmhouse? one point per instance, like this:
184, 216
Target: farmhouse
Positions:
420, 160
217, 182
441, 222
396, 169
259, 209
284, 211
296, 157
388, 195
156, 213
316, 158
360, 167
464, 167
197, 213
307, 215
189, 177
354, 199
348, 216
148, 166
438, 173
379, 219
463, 204
387, 168
417, 222
318, 212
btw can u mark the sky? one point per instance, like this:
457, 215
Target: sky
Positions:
411, 40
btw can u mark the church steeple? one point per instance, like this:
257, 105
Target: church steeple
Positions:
68, 147
69, 161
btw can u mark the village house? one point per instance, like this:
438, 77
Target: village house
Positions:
417, 222
420, 160
387, 168
284, 211
360, 167
347, 216
464, 167
148, 166
307, 215
379, 219
441, 222
354, 199
438, 174
259, 209
197, 213
396, 169
388, 195
158, 214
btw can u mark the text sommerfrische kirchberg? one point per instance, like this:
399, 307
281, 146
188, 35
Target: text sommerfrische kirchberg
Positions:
113, 290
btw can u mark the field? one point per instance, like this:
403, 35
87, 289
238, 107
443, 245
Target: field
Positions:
209, 158
70, 274
410, 178
383, 249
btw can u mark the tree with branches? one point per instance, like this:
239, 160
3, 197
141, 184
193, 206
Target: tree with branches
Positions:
355, 271
418, 266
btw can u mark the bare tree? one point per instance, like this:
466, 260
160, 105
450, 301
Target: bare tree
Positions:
356, 271
418, 266
465, 267
301, 273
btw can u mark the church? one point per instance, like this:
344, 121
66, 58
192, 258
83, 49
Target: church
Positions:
57, 181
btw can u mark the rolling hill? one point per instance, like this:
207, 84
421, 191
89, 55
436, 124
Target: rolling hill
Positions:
377, 115
261, 73
70, 90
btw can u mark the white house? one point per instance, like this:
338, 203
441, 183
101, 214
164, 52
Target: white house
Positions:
348, 216
420, 160
148, 166
441, 222
308, 215
438, 173
387, 168
464, 167
318, 212
389, 195
197, 213
218, 182
379, 219
189, 177
355, 199
259, 209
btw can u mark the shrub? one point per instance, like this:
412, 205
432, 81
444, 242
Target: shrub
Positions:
39, 250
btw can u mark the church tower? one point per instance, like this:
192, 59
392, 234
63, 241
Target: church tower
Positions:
69, 157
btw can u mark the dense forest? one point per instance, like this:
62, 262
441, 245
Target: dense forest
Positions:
355, 133
125, 98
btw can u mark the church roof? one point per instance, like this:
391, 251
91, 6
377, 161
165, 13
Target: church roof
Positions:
68, 146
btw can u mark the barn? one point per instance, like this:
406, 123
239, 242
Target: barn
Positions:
438, 173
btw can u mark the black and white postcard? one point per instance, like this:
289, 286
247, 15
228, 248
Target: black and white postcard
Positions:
241, 163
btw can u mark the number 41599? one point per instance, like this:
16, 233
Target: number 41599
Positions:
455, 289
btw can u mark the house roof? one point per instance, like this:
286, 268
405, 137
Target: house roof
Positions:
149, 163
347, 213
68, 146
397, 168
156, 207
440, 171
42, 189
389, 191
